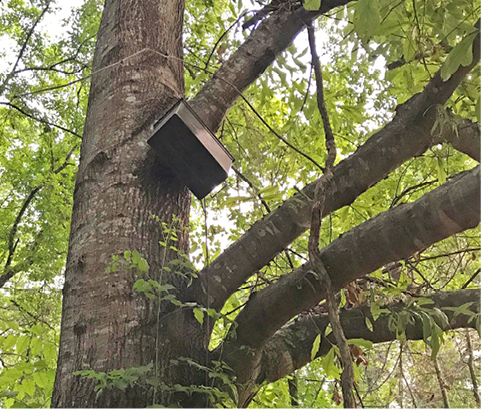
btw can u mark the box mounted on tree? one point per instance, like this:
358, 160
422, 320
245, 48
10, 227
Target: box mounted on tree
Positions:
190, 149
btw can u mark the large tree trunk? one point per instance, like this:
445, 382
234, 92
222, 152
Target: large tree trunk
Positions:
120, 185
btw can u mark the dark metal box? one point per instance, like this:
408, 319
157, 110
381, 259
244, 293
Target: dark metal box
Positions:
190, 149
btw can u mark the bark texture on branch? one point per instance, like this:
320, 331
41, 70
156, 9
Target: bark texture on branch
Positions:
251, 59
390, 236
466, 137
290, 348
407, 135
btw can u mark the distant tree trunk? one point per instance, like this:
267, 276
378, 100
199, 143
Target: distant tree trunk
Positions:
293, 390
120, 185
472, 371
442, 386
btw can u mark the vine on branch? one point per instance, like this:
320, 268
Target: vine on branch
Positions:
347, 376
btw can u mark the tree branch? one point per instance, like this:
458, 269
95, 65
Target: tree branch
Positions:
9, 271
290, 348
251, 59
347, 376
43, 121
407, 135
24, 47
390, 236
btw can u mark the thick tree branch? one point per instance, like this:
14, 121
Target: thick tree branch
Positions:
390, 236
251, 59
407, 135
464, 135
290, 348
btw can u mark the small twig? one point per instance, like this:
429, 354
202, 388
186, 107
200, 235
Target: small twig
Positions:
410, 189
293, 390
422, 276
450, 254
330, 142
24, 47
264, 203
307, 90
358, 396
347, 376
43, 121
471, 279
222, 36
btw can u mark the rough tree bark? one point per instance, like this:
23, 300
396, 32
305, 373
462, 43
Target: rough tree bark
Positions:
120, 185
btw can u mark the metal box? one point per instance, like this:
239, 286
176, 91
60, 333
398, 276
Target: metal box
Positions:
190, 149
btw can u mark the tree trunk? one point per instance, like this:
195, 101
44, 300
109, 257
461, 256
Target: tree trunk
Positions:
472, 371
106, 325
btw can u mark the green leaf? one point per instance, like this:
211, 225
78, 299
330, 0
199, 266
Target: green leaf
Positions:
343, 301
10, 341
127, 255
376, 311
461, 54
435, 344
329, 366
312, 4
143, 265
363, 343
366, 17
199, 315
426, 326
20, 405
41, 379
28, 386
136, 257
328, 330
462, 309
35, 346
477, 108
478, 325
440, 171
50, 352
22, 343
315, 346
369, 324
